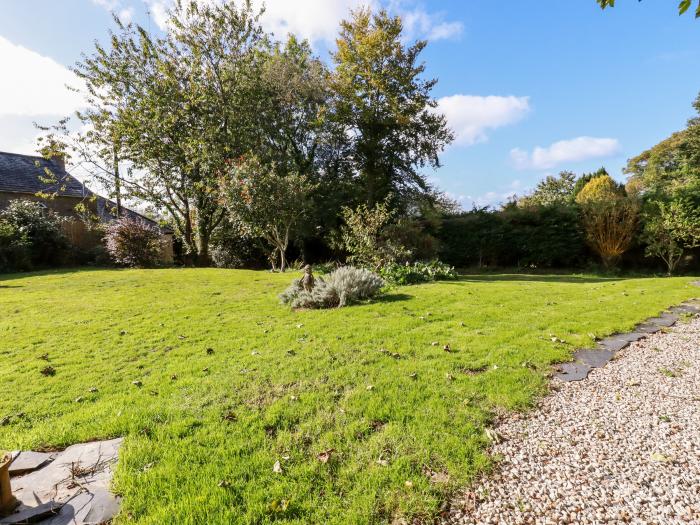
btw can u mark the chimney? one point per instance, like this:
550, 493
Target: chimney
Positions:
60, 161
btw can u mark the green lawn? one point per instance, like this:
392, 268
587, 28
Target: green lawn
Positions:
205, 429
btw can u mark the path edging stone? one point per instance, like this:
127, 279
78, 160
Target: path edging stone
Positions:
586, 359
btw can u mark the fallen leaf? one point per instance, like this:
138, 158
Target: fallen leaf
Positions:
324, 456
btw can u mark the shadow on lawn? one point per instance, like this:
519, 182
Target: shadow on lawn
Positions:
392, 298
481, 278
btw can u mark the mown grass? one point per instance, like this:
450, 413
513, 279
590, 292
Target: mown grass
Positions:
205, 428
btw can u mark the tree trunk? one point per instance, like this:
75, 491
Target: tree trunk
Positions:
117, 182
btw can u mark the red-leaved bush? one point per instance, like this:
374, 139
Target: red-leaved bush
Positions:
133, 243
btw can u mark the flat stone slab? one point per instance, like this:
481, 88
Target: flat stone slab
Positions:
594, 358
587, 359
573, 371
77, 480
28, 461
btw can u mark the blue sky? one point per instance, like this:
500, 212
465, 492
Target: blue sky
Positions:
531, 87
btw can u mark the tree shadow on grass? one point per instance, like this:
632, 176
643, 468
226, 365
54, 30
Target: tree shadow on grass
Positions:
393, 298
549, 278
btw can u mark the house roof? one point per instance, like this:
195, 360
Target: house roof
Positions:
24, 174
28, 174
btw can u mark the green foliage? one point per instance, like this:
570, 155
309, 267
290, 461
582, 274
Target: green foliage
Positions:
14, 248
600, 190
417, 272
32, 236
551, 191
672, 225
133, 243
385, 106
585, 179
204, 431
343, 286
367, 238
610, 218
540, 237
271, 206
683, 6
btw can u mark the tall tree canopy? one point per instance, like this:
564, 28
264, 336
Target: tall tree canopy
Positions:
385, 106
179, 106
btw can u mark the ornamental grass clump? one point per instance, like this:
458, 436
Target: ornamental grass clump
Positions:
343, 286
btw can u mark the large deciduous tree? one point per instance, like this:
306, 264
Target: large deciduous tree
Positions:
385, 107
672, 225
180, 106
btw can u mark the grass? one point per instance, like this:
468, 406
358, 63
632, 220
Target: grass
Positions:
212, 382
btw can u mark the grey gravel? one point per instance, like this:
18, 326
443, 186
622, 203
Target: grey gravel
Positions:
622, 446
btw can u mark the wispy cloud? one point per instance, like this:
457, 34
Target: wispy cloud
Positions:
471, 117
565, 151
318, 20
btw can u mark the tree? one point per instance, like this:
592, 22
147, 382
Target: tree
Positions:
384, 107
272, 206
683, 6
671, 164
551, 191
609, 218
585, 179
176, 108
366, 236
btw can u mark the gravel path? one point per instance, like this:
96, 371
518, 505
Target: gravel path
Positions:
622, 446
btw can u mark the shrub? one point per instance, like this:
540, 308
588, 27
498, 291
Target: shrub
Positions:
535, 236
14, 248
133, 243
32, 236
341, 287
418, 272
610, 218
366, 236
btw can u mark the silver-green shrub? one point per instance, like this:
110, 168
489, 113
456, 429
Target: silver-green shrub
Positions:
339, 288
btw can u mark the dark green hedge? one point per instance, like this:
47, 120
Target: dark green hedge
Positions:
524, 237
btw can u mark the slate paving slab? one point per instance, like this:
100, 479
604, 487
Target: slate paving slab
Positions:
28, 461
77, 480
587, 359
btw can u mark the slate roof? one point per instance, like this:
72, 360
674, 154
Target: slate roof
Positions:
24, 173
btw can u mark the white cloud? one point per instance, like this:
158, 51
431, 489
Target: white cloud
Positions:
319, 20
565, 151
110, 5
36, 85
419, 23
126, 15
471, 117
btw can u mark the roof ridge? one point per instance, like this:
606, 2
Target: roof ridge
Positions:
24, 155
